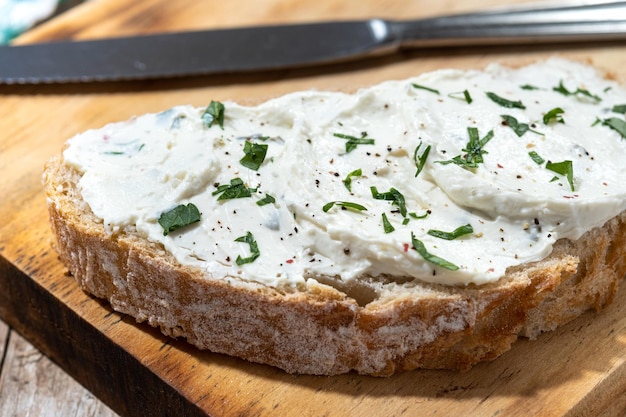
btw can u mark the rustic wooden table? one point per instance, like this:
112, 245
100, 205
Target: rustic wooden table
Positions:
579, 369
32, 385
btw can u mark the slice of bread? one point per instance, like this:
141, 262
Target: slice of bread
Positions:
379, 326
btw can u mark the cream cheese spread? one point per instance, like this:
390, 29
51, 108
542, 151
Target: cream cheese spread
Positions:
450, 177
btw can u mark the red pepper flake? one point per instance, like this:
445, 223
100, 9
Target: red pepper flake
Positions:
500, 166
605, 184
406, 247
569, 197
491, 270
289, 261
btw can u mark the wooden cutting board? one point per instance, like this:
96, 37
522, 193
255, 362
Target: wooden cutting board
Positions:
577, 370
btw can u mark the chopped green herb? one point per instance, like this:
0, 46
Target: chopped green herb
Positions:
113, 153
345, 205
518, 128
554, 116
509, 104
422, 216
564, 168
213, 113
236, 189
474, 149
458, 232
421, 249
348, 180
619, 108
180, 216
254, 155
529, 87
421, 87
392, 195
535, 157
387, 227
561, 89
462, 95
460, 161
268, 199
405, 221
578, 92
420, 160
254, 249
353, 141
616, 124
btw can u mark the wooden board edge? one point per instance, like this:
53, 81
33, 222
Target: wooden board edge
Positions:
104, 368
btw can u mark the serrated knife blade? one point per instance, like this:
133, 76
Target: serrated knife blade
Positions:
274, 47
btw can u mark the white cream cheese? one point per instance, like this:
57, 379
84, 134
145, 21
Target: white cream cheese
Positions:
517, 208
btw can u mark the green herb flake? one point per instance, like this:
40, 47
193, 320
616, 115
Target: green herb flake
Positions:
578, 92
180, 216
518, 128
422, 87
554, 116
420, 216
462, 95
619, 108
509, 104
213, 113
254, 249
348, 180
236, 189
254, 155
345, 205
420, 160
429, 257
535, 157
387, 227
474, 147
563, 168
392, 195
529, 87
268, 199
353, 141
616, 124
456, 233
474, 150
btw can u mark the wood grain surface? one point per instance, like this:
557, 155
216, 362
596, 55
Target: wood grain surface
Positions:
32, 385
576, 370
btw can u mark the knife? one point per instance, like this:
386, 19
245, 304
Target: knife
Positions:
265, 48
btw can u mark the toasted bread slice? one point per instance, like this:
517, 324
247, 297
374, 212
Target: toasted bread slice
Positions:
317, 329
374, 325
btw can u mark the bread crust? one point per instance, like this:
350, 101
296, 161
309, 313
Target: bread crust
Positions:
318, 329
